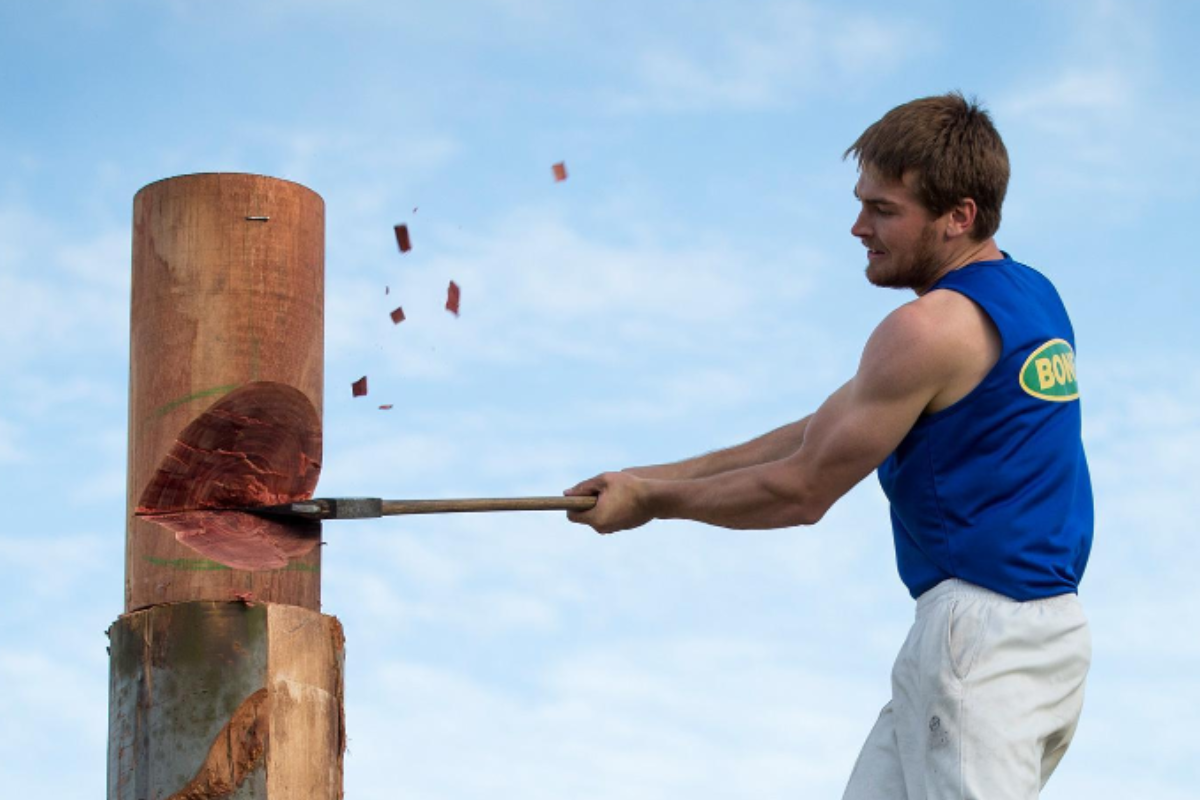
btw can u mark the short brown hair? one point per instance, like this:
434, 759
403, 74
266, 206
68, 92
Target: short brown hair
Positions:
951, 145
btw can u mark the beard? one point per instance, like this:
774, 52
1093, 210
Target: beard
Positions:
917, 272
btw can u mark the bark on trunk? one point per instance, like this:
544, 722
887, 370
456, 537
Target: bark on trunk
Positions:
225, 700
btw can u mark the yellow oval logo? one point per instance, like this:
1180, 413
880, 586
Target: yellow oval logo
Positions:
1049, 372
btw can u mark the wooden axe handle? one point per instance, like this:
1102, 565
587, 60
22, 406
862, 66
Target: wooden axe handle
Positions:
395, 507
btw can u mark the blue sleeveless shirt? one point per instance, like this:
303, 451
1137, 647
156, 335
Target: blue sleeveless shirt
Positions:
994, 489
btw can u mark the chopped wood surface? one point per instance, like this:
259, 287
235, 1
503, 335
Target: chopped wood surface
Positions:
259, 445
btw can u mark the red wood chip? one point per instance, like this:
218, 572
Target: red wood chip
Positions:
387, 407
398, 316
452, 296
402, 238
560, 171
258, 445
359, 387
245, 597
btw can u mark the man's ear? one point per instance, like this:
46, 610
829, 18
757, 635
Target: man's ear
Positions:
961, 219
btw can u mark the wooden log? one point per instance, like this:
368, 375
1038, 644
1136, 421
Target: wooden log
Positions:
226, 700
228, 288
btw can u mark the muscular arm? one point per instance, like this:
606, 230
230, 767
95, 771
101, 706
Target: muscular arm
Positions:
847, 439
772, 446
907, 362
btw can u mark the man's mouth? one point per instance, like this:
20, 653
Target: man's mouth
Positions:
873, 254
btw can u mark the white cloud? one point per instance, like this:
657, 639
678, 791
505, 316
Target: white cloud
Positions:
1095, 119
53, 566
64, 692
1144, 452
54, 701
709, 717
11, 451
70, 298
52, 660
534, 288
102, 263
333, 153
45, 394
762, 55
482, 575
104, 485
397, 458
1106, 91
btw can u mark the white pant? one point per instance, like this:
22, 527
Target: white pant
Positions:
986, 693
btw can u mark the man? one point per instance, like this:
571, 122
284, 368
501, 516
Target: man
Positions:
966, 402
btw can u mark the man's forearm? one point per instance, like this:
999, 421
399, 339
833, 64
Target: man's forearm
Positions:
773, 446
757, 497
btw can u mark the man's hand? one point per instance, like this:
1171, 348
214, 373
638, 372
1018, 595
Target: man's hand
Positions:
621, 502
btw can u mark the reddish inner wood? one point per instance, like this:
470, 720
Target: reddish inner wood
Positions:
258, 445
403, 239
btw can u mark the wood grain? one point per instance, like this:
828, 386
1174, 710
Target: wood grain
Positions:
259, 445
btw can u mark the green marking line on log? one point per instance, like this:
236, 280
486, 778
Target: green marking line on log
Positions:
207, 565
158, 412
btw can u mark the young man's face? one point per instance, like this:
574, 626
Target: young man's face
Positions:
903, 239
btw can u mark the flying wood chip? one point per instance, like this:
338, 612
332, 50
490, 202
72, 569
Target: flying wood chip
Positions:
402, 238
452, 296
398, 316
258, 445
359, 387
387, 407
560, 171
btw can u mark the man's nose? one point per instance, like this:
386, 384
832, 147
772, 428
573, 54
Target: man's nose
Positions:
860, 228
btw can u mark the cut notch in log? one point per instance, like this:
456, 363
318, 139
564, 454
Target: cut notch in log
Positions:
258, 445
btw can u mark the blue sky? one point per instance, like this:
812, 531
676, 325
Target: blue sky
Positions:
692, 284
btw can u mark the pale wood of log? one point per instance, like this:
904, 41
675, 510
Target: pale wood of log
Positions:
305, 668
